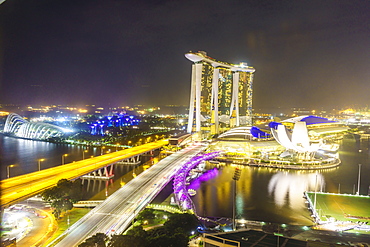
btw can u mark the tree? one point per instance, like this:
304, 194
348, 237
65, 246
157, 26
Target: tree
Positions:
127, 241
98, 240
137, 231
161, 241
187, 222
159, 236
146, 214
167, 237
174, 233
63, 195
157, 232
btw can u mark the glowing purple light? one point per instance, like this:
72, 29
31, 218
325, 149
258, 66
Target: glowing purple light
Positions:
179, 183
210, 174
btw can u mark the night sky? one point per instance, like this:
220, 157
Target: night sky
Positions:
113, 53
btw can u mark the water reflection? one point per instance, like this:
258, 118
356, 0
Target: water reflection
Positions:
287, 188
27, 153
262, 194
195, 184
123, 173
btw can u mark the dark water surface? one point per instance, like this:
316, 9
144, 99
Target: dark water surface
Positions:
24, 154
273, 195
262, 194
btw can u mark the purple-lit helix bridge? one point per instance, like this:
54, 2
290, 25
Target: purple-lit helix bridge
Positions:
179, 183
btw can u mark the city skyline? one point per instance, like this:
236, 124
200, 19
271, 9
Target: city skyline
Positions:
306, 54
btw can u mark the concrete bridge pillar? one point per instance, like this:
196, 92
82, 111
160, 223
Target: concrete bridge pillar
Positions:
135, 160
104, 173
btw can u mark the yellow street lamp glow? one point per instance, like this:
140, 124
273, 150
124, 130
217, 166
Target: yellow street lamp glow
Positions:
39, 163
63, 158
8, 169
83, 154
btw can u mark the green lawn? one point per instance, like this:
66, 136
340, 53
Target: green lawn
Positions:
342, 207
74, 215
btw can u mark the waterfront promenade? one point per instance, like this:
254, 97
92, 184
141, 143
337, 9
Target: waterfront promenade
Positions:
280, 164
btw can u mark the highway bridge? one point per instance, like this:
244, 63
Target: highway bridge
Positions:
116, 213
21, 187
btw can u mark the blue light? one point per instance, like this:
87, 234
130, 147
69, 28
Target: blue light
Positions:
257, 133
273, 125
316, 120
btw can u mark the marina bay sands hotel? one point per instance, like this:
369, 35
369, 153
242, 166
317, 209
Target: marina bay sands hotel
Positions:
221, 94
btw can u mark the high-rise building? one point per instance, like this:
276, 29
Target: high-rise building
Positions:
221, 94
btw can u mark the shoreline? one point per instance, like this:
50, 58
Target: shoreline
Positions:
336, 163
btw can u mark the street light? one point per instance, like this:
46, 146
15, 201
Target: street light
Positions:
8, 169
39, 163
83, 154
359, 178
64, 155
102, 150
236, 178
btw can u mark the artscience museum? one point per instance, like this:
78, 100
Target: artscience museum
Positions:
298, 142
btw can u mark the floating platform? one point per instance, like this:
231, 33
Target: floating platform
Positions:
340, 212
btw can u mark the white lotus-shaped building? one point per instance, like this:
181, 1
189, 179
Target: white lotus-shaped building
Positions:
298, 139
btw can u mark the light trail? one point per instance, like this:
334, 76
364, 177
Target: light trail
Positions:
21, 187
116, 213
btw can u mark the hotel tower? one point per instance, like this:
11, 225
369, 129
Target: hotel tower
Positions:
221, 94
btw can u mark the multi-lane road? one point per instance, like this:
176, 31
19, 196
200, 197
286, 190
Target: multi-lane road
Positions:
116, 213
24, 186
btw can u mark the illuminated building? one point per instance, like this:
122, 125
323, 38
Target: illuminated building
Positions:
306, 140
220, 92
19, 127
300, 139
